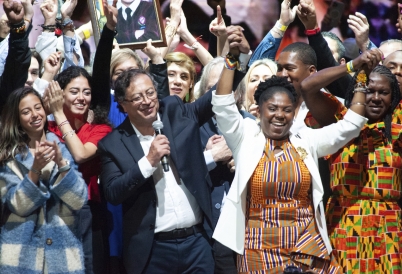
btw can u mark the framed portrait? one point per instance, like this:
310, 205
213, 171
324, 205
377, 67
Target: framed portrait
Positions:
137, 21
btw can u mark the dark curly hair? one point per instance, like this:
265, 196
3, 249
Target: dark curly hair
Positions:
395, 95
273, 85
67, 75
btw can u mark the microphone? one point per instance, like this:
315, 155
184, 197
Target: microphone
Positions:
158, 125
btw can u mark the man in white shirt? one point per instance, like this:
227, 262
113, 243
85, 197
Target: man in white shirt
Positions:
164, 212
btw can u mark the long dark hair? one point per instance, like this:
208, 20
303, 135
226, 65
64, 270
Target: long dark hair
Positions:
13, 139
67, 75
395, 96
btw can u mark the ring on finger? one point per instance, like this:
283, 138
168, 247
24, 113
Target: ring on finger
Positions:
47, 159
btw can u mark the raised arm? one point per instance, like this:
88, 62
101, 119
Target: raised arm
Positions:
72, 49
171, 27
358, 23
158, 69
101, 67
202, 53
217, 42
47, 40
270, 44
307, 15
19, 55
310, 87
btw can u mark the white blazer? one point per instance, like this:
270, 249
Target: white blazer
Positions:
246, 141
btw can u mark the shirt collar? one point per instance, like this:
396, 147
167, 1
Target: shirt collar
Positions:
144, 137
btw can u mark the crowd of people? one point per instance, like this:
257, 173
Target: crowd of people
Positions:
270, 162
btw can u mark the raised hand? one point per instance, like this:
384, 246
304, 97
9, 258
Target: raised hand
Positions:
214, 4
67, 9
175, 11
28, 9
182, 28
153, 53
14, 11
49, 11
111, 14
237, 42
368, 60
307, 15
358, 23
56, 97
159, 148
288, 14
52, 63
217, 26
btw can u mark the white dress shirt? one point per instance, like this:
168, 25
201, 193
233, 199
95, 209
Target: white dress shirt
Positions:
176, 207
133, 6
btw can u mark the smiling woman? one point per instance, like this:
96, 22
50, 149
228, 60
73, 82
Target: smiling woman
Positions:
70, 102
36, 166
277, 192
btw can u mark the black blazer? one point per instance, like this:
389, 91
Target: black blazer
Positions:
123, 182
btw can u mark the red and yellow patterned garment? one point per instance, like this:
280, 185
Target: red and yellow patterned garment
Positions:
280, 225
363, 216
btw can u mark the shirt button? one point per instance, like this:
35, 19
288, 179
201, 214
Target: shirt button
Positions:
217, 206
49, 241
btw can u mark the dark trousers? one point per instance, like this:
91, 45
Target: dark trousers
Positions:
192, 254
225, 259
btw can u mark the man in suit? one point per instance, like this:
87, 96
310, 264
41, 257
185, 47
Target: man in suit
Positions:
164, 213
136, 22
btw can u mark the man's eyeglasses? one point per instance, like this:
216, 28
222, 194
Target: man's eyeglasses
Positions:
139, 98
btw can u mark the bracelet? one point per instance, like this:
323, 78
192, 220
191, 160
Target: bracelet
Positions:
37, 172
281, 27
18, 28
64, 168
360, 88
48, 27
86, 34
28, 21
310, 32
231, 62
71, 132
63, 123
358, 103
67, 22
170, 30
280, 33
349, 67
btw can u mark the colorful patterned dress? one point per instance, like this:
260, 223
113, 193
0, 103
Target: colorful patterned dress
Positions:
363, 216
280, 226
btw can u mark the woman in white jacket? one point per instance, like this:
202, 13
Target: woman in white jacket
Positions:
273, 215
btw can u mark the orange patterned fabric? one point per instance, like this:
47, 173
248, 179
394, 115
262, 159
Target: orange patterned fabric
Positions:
280, 225
363, 217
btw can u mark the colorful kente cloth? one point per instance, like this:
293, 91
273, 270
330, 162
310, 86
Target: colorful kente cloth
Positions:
363, 216
280, 225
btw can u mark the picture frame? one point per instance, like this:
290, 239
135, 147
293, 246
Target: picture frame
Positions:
145, 22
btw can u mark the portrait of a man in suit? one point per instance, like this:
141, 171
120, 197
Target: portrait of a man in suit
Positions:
136, 21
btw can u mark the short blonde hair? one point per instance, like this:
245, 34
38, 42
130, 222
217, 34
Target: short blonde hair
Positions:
121, 55
185, 61
266, 62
